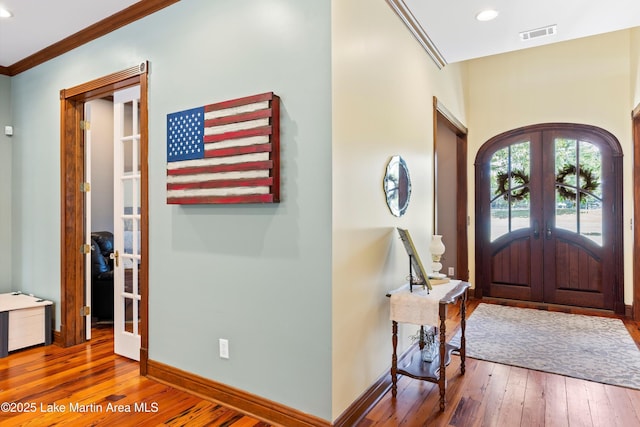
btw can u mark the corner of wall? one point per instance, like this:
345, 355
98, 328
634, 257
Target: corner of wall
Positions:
634, 57
5, 185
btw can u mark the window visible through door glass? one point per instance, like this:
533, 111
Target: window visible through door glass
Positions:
578, 166
510, 170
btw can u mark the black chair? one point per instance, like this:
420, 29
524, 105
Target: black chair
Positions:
102, 275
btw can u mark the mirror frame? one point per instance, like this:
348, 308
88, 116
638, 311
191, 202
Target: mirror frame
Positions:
394, 186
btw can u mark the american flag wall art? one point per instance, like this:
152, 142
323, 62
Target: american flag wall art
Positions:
228, 152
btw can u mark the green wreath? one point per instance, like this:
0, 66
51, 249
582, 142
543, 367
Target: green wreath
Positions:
590, 182
503, 182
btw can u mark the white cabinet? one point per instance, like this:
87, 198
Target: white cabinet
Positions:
25, 321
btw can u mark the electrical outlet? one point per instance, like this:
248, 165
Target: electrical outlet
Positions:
224, 348
451, 271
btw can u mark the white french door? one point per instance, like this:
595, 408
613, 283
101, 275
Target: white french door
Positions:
87, 218
126, 221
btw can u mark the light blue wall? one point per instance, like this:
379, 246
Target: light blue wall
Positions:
259, 276
5, 186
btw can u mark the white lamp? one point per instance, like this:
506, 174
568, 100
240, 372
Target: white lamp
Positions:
436, 247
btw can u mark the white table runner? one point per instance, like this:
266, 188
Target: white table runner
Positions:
418, 307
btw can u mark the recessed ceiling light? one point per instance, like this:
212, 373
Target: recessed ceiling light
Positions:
487, 15
4, 13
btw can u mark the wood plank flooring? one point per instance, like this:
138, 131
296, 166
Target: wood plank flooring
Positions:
94, 387
88, 385
490, 394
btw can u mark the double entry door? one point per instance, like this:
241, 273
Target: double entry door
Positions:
549, 216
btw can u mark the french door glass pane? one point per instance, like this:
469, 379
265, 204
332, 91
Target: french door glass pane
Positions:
510, 170
128, 119
127, 147
578, 166
128, 315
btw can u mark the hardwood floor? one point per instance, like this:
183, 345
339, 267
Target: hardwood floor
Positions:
490, 394
45, 386
94, 387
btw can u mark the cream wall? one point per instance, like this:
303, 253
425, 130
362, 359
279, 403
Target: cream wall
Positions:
635, 66
581, 81
383, 84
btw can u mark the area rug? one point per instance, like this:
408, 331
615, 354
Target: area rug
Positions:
586, 347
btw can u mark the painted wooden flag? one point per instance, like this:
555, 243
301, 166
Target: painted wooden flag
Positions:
227, 152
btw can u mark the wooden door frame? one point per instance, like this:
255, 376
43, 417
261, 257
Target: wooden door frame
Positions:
617, 218
440, 112
635, 309
72, 295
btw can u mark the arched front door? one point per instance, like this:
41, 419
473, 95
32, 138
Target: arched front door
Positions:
549, 216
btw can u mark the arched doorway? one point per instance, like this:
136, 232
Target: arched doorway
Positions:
549, 216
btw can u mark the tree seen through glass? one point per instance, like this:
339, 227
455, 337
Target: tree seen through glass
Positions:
510, 169
578, 188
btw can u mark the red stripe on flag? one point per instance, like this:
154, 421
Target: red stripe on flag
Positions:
237, 118
249, 198
221, 183
236, 167
264, 130
239, 101
236, 151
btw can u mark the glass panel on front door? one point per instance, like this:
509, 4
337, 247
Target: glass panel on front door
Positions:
510, 170
578, 166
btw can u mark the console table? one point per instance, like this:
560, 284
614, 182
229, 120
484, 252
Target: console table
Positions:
25, 321
422, 308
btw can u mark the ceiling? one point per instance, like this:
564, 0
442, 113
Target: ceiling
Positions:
451, 25
37, 24
453, 29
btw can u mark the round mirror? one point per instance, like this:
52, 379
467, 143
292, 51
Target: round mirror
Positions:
397, 186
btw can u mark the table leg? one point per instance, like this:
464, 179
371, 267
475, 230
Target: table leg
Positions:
463, 324
394, 359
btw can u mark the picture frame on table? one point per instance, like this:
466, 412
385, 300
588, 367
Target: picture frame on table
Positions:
419, 275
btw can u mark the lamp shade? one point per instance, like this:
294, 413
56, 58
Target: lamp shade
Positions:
436, 246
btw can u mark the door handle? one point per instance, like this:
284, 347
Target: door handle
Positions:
115, 256
548, 232
536, 229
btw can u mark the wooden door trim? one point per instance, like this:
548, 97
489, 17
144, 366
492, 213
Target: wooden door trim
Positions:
615, 148
72, 102
126, 16
71, 233
440, 112
636, 212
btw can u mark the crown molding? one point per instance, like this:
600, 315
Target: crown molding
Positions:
126, 16
402, 10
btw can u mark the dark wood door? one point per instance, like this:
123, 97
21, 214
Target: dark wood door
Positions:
549, 216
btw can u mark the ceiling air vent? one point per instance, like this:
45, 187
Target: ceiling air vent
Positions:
538, 32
